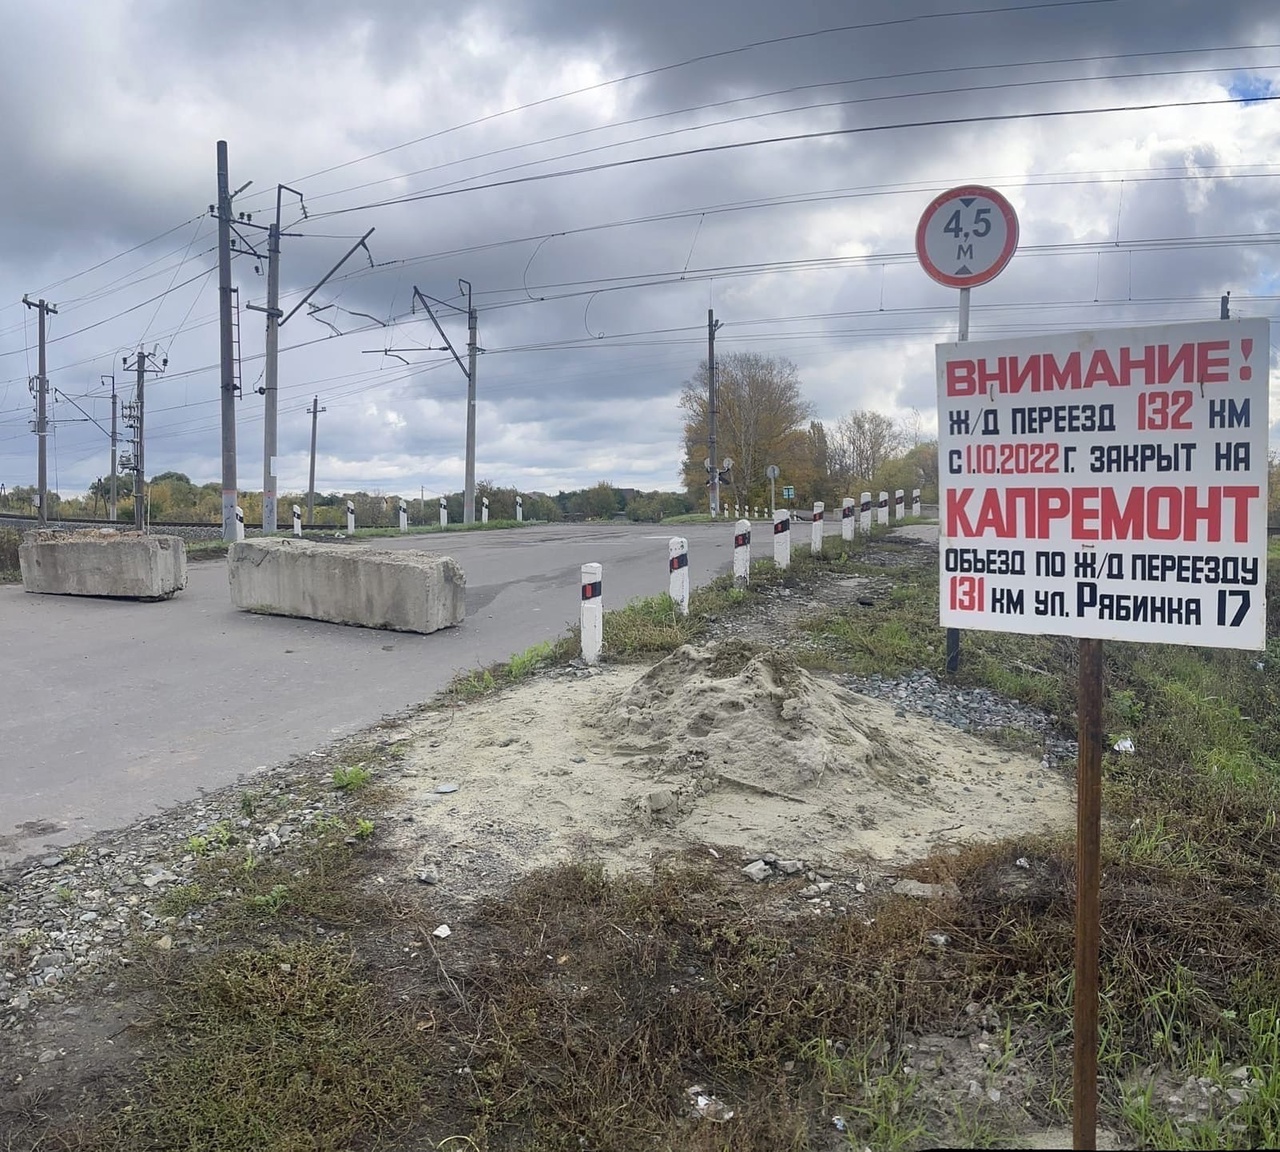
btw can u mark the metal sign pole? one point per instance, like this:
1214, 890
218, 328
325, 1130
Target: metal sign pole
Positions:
953, 634
1088, 900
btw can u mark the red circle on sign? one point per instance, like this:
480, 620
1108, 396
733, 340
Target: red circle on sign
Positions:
982, 276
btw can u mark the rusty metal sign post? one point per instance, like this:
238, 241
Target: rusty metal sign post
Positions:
1084, 1096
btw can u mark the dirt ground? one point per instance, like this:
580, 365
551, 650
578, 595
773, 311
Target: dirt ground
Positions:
718, 749
705, 748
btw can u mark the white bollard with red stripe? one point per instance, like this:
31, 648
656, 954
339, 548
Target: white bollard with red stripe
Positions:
592, 612
484, 509
899, 504
782, 538
915, 502
815, 537
847, 521
742, 554
297, 520
678, 568
864, 513
351, 517
239, 522
882, 509
519, 509
404, 516
444, 512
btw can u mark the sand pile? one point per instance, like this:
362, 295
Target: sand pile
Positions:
707, 747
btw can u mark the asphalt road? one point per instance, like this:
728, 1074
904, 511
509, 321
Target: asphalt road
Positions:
116, 709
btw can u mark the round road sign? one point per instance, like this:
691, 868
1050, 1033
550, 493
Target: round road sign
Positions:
966, 236
772, 472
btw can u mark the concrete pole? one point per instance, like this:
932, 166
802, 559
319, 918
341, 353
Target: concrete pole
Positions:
592, 612
782, 537
139, 470
271, 377
114, 441
712, 325
678, 568
43, 308
469, 493
230, 486
742, 554
311, 483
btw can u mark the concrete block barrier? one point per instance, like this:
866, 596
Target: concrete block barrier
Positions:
372, 588
118, 565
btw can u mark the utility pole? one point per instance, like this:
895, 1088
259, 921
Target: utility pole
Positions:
114, 442
270, 377
230, 487
44, 308
713, 326
469, 505
311, 484
1224, 311
135, 413
469, 371
276, 320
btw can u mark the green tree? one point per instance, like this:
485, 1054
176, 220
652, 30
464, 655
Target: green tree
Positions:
760, 420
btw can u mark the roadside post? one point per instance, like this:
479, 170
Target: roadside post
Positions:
351, 518
444, 512
1105, 485
899, 505
882, 510
742, 554
239, 522
815, 533
980, 227
678, 569
484, 509
297, 520
519, 509
846, 518
864, 514
782, 537
915, 502
592, 612
404, 516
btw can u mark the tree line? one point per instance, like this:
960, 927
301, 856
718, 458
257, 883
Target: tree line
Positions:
762, 418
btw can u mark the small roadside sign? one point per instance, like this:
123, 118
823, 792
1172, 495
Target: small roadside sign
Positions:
966, 236
788, 492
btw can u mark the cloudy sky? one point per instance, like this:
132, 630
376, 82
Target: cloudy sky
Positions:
526, 146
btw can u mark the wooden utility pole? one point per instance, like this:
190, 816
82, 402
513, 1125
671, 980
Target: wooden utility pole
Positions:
43, 308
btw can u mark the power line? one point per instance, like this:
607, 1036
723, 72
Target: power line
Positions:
794, 137
703, 58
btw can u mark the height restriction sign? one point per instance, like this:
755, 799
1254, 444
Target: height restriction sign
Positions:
1109, 484
966, 236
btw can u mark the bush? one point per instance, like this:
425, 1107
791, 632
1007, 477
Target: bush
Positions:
9, 540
